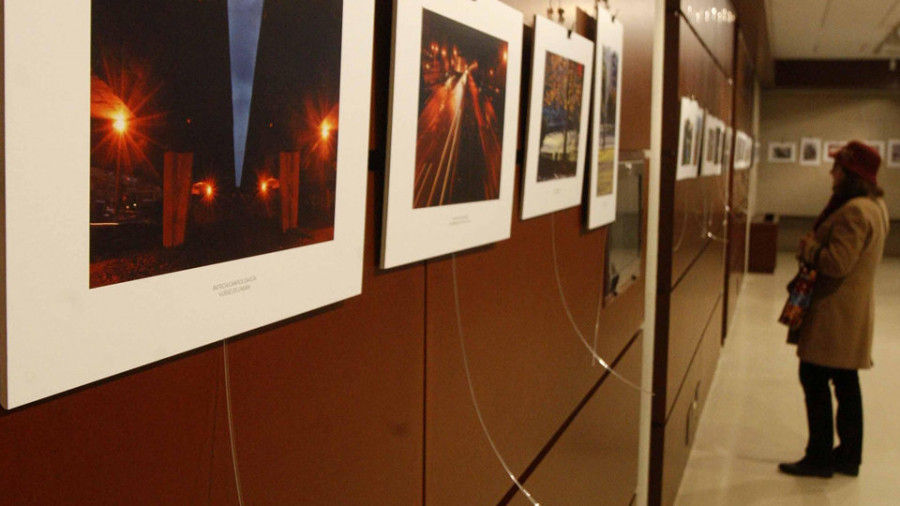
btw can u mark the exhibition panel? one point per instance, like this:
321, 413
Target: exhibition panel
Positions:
285, 388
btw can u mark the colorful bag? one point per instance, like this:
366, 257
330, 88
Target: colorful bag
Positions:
800, 291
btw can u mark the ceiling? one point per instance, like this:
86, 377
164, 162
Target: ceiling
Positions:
833, 29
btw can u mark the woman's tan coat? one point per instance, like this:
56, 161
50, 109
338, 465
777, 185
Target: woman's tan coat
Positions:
848, 245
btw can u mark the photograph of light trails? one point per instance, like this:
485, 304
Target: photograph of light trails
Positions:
462, 90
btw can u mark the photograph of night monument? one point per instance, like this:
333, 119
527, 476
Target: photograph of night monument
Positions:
214, 130
462, 91
560, 117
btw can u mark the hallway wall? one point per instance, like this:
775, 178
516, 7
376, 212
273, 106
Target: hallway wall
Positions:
786, 115
366, 401
694, 219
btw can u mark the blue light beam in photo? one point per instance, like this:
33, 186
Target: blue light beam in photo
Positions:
244, 20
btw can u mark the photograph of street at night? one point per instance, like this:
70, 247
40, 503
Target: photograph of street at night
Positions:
214, 129
560, 118
609, 93
462, 91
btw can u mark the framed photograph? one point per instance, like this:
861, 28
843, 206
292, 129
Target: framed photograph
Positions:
830, 148
208, 169
607, 110
687, 167
452, 134
810, 151
743, 146
877, 146
726, 148
782, 152
714, 138
893, 154
699, 136
558, 111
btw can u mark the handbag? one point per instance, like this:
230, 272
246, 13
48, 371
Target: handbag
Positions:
800, 291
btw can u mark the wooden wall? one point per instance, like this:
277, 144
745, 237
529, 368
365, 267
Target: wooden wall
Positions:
699, 63
366, 401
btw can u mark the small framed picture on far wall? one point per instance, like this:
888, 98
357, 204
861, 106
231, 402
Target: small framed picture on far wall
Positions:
893, 154
782, 152
810, 151
830, 148
877, 146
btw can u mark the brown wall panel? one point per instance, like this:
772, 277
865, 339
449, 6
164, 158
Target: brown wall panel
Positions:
637, 18
679, 433
693, 306
698, 221
334, 396
595, 460
713, 30
739, 202
528, 367
693, 264
710, 348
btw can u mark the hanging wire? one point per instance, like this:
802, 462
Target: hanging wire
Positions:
234, 459
581, 337
487, 434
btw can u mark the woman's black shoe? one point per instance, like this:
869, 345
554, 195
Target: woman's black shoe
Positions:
846, 468
806, 468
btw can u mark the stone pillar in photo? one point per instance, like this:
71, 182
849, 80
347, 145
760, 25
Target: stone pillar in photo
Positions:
289, 181
177, 169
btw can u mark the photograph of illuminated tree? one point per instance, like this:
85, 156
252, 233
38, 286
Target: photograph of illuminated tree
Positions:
609, 92
214, 130
560, 117
462, 91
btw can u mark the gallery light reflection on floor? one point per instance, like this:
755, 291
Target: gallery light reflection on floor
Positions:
754, 415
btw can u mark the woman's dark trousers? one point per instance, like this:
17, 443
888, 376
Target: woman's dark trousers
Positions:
815, 379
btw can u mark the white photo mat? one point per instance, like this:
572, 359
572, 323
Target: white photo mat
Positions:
782, 152
610, 34
411, 234
893, 154
59, 333
542, 197
810, 151
687, 137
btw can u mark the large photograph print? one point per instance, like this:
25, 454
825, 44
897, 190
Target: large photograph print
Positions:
557, 119
213, 132
453, 127
607, 105
208, 162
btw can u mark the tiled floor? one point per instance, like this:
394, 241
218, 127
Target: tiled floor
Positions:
754, 416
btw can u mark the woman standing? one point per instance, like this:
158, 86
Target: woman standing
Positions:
835, 339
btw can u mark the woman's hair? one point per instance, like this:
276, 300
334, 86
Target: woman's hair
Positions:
850, 187
853, 186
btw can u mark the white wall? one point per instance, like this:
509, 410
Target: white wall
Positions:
788, 115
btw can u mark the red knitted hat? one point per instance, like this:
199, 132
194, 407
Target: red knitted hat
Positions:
861, 159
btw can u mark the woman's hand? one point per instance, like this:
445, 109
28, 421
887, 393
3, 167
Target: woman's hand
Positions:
805, 242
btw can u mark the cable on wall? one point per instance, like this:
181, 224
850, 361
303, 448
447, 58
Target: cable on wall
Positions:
234, 460
487, 434
562, 297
